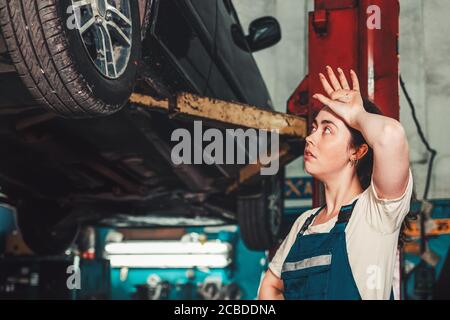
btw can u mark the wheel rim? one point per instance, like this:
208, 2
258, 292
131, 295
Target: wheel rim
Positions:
106, 29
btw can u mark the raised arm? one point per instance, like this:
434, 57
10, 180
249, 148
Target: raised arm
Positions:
385, 135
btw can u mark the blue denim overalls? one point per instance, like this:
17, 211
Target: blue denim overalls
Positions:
317, 266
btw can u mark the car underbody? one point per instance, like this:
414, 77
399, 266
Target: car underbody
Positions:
108, 162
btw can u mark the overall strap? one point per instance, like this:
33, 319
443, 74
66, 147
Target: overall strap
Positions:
344, 216
309, 221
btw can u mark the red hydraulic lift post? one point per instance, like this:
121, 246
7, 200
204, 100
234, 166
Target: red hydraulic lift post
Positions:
352, 34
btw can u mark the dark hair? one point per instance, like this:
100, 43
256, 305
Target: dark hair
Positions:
365, 164
365, 167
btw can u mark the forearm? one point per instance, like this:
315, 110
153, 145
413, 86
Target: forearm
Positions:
380, 132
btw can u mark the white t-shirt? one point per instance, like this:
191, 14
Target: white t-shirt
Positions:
372, 236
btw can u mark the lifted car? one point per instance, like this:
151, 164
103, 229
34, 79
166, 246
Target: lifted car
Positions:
76, 152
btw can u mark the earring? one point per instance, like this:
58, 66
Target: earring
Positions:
355, 162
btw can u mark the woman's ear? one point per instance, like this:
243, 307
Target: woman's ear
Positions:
361, 151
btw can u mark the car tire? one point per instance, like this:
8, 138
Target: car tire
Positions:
260, 214
56, 62
39, 224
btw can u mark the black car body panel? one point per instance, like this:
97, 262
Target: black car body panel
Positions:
199, 38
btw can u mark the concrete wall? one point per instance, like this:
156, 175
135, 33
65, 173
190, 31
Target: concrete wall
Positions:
425, 66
